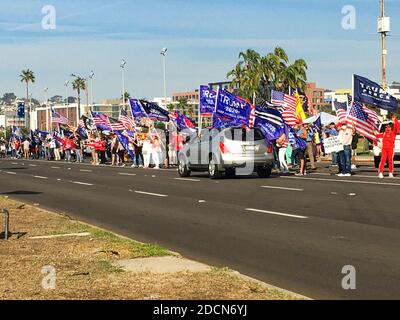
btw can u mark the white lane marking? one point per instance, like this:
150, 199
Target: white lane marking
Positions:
187, 179
14, 162
82, 183
9, 172
40, 177
281, 188
55, 167
127, 174
58, 179
83, 170
345, 181
277, 213
152, 194
33, 165
356, 175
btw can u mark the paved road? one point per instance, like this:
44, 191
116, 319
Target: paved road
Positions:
295, 233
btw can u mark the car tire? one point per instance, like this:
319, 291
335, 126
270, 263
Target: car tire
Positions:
377, 161
183, 169
213, 170
264, 172
230, 172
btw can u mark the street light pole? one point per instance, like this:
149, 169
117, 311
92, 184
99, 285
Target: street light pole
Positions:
383, 29
164, 54
91, 76
123, 64
66, 97
47, 112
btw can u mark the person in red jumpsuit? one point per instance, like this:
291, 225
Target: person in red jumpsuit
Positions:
388, 143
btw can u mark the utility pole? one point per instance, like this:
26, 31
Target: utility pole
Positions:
383, 29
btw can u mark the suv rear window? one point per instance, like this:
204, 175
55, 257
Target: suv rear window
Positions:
241, 134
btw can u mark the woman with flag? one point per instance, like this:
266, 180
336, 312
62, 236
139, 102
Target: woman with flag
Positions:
388, 143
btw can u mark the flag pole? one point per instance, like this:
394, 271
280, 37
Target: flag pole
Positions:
199, 125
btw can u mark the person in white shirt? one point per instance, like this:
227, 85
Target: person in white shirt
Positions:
26, 144
346, 137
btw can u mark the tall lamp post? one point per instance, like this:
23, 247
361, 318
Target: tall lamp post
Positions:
123, 64
383, 29
47, 106
91, 76
164, 54
66, 83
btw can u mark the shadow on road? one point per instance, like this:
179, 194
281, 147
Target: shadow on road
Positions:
21, 193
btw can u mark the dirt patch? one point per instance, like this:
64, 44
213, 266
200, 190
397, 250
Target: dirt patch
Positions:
87, 267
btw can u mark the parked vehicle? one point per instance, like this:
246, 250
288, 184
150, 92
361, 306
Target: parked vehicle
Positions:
231, 151
377, 150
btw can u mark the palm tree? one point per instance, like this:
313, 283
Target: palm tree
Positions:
27, 76
126, 96
259, 74
79, 84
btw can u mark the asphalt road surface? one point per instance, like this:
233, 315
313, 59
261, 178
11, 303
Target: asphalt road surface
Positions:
294, 233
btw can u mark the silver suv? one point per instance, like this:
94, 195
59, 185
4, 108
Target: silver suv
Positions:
233, 151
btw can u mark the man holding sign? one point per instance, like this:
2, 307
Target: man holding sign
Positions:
346, 138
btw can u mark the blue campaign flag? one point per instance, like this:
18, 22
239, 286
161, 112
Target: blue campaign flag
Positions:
16, 132
235, 108
294, 140
154, 111
367, 91
21, 110
207, 101
123, 138
137, 109
82, 133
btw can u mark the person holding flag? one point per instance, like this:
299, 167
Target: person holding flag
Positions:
388, 143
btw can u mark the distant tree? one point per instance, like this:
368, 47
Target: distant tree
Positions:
9, 98
72, 100
127, 97
56, 99
27, 76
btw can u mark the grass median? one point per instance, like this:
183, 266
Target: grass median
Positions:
84, 260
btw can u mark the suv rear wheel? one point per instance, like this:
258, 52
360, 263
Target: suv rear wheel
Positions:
264, 172
213, 170
183, 168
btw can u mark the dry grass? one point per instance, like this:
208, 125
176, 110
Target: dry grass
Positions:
84, 265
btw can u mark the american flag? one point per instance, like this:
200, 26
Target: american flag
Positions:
126, 120
341, 110
372, 116
289, 103
58, 118
284, 99
115, 125
360, 119
99, 119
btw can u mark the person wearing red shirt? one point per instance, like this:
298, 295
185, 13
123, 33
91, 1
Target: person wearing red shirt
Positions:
388, 143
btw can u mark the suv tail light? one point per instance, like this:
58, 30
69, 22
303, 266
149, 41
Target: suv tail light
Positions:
223, 148
269, 149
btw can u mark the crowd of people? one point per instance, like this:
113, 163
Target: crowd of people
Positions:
144, 150
154, 150
294, 155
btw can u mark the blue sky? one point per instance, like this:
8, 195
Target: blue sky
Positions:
204, 39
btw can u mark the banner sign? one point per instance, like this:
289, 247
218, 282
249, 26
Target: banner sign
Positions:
333, 144
154, 111
233, 107
137, 109
207, 101
367, 91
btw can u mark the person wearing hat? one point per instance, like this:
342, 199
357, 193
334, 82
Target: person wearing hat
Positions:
388, 143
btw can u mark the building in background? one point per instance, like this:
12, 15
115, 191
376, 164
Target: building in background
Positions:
316, 96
